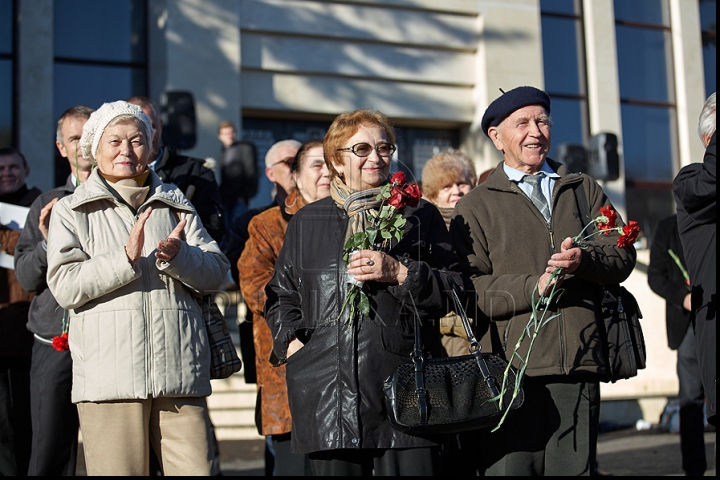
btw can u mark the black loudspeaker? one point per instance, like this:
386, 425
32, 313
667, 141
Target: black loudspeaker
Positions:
574, 157
178, 116
604, 161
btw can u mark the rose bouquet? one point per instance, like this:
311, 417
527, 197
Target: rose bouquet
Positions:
387, 224
606, 224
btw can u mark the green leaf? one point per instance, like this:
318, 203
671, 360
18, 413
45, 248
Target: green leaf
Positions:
386, 235
364, 305
371, 235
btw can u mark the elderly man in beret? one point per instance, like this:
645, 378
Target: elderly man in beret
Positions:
511, 232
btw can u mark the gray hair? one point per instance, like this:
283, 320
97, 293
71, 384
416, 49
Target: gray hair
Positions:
270, 155
706, 125
78, 111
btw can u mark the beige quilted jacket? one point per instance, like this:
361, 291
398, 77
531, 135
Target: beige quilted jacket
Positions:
135, 332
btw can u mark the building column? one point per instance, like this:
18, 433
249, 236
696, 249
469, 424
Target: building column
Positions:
604, 85
689, 77
35, 87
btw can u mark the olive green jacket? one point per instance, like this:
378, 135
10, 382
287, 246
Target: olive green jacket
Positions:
505, 244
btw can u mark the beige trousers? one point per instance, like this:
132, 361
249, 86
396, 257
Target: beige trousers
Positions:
117, 436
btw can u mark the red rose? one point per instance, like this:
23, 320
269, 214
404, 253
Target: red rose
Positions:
397, 198
413, 195
398, 179
629, 235
61, 343
612, 219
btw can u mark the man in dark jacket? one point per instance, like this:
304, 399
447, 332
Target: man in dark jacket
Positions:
54, 416
666, 277
695, 190
196, 181
16, 342
512, 231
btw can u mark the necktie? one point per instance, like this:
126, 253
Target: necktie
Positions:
536, 196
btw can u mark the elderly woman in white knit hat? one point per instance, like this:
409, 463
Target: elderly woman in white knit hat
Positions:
127, 258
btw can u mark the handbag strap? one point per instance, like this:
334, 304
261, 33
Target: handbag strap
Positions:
474, 349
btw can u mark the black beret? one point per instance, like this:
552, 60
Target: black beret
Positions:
508, 102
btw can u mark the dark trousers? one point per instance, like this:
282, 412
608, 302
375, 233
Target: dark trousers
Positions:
15, 425
692, 398
54, 416
554, 433
286, 463
373, 461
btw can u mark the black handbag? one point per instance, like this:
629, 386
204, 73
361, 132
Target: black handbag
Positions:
619, 323
224, 360
623, 340
426, 396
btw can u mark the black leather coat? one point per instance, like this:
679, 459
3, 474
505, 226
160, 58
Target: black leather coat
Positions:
335, 381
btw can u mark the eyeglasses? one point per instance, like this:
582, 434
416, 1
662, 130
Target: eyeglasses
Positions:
365, 149
287, 161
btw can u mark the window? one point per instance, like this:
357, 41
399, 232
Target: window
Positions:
415, 146
707, 24
564, 65
100, 55
7, 24
648, 110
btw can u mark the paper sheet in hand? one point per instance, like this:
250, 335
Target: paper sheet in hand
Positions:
12, 216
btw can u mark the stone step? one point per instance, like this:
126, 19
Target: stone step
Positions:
232, 401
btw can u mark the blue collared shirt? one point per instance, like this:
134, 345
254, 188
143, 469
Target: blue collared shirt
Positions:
152, 165
547, 183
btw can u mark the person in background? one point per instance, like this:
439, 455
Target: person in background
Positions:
337, 362
16, 342
512, 231
190, 174
446, 178
128, 257
227, 134
54, 416
239, 175
256, 266
695, 192
278, 161
666, 277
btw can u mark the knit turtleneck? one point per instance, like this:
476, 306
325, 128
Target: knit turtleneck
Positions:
447, 213
132, 190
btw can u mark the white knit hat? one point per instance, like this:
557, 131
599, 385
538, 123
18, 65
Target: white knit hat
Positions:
99, 120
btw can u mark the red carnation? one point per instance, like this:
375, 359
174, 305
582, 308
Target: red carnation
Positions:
397, 198
629, 234
612, 219
61, 343
398, 179
413, 195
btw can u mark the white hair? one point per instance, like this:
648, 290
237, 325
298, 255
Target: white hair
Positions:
707, 125
270, 159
